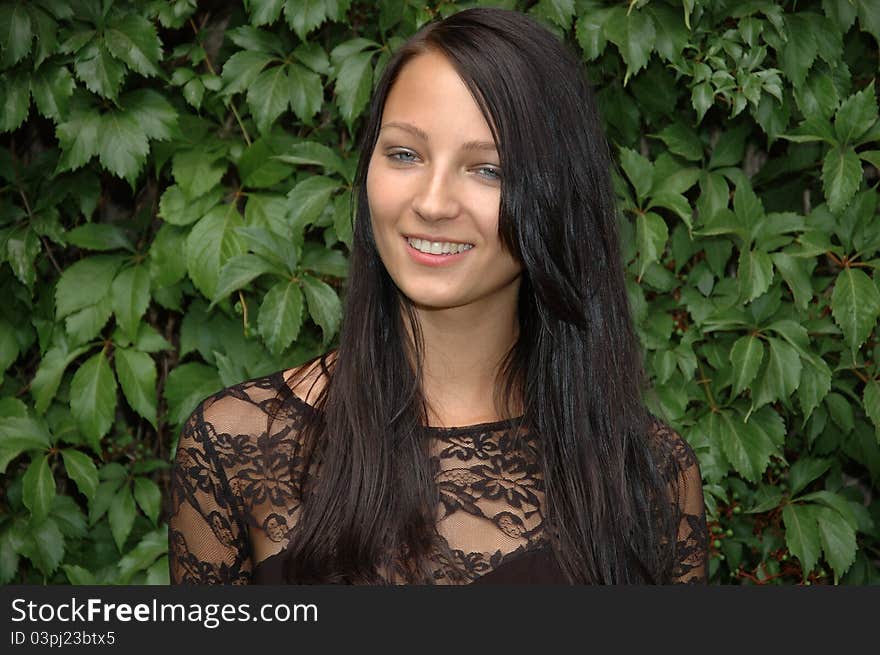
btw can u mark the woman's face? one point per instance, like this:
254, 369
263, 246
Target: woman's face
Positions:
434, 176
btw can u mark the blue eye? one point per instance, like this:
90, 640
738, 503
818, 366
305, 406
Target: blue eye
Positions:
394, 156
493, 173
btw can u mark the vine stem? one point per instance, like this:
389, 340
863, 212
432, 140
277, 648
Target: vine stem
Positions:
231, 105
705, 382
244, 311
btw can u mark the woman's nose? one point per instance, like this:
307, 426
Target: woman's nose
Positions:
436, 197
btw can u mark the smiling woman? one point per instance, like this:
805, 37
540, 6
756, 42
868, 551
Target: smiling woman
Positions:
482, 419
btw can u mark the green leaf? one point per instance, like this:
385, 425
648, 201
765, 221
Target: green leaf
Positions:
800, 49
38, 487
98, 70
838, 540
52, 88
88, 322
308, 199
16, 34
121, 515
268, 96
304, 16
311, 153
148, 497
130, 295
672, 34
153, 545
792, 271
314, 57
99, 236
651, 237
342, 217
841, 177
150, 341
46, 35
841, 411
746, 356
837, 503
702, 98
78, 136
211, 243
187, 385
802, 534
198, 171
22, 433
99, 505
47, 543
754, 274
354, 82
122, 145
176, 208
242, 68
264, 11
324, 306
268, 245
804, 471
781, 376
815, 383
633, 33
240, 271
281, 316
306, 92
15, 91
9, 346
259, 168
590, 33
77, 575
93, 398
745, 445
856, 115
85, 283
22, 248
871, 401
323, 261
855, 305
133, 39
682, 140
49, 373
81, 469
639, 170
137, 375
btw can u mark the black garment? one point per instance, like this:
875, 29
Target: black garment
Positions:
235, 495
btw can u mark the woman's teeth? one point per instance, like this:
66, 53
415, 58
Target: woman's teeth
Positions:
438, 247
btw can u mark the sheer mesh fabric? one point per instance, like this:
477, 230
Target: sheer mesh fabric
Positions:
235, 499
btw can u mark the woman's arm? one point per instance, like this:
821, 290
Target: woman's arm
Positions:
692, 543
207, 542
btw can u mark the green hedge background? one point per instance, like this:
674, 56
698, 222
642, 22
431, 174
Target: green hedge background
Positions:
174, 218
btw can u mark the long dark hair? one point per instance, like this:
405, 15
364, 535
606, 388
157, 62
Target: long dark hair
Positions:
576, 366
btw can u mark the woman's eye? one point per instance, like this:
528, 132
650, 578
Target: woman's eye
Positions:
401, 156
490, 172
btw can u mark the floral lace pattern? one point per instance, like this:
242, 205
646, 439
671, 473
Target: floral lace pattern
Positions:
235, 491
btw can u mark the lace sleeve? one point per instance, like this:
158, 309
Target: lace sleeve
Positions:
208, 543
683, 473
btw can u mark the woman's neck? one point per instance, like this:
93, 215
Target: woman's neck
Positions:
464, 349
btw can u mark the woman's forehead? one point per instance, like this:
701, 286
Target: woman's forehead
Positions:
430, 96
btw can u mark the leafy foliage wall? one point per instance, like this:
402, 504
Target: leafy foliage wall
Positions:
175, 215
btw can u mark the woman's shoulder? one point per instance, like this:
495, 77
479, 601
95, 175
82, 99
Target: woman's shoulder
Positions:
246, 408
674, 454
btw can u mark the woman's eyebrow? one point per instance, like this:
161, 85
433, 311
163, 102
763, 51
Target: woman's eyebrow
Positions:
412, 129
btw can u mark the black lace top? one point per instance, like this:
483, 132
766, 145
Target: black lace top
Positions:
234, 499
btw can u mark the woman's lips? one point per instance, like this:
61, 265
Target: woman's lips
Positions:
433, 260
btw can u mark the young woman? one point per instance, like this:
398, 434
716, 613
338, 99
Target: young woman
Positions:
482, 419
